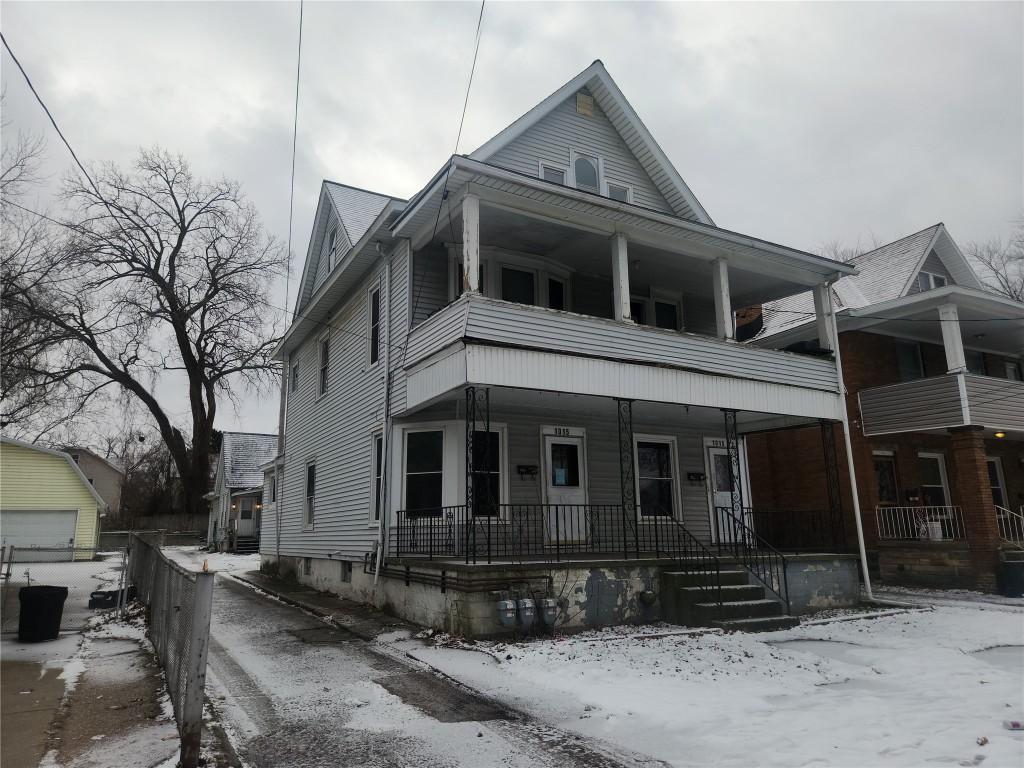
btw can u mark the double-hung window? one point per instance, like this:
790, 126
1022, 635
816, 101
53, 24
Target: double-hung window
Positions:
486, 472
294, 383
656, 476
325, 363
424, 472
310, 494
932, 469
374, 323
975, 362
378, 474
518, 285
1012, 369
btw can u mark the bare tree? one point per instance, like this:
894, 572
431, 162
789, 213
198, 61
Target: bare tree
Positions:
161, 281
1002, 263
839, 251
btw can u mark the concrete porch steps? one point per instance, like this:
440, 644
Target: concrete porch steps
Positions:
689, 599
247, 545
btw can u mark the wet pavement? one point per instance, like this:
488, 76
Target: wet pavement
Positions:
292, 689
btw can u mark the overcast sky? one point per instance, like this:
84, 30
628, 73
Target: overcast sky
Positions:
799, 123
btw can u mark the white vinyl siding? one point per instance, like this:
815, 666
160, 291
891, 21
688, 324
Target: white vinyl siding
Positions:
564, 129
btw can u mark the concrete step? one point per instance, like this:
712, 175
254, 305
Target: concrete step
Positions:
676, 579
760, 624
729, 593
737, 609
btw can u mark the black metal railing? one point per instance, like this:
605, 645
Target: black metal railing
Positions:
799, 530
736, 537
550, 533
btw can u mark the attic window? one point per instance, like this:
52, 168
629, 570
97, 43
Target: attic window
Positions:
927, 281
332, 247
586, 173
552, 173
620, 192
584, 104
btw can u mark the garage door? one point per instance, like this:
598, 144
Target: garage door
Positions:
42, 528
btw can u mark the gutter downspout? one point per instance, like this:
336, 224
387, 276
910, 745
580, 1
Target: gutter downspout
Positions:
849, 453
382, 512
279, 460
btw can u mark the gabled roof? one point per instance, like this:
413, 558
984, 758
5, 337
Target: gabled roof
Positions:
67, 457
242, 454
623, 117
80, 449
885, 273
355, 209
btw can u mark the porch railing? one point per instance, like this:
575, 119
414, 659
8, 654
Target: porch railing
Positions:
800, 530
920, 523
550, 533
1011, 525
738, 538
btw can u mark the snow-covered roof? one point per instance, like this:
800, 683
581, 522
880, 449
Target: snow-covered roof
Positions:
243, 453
883, 274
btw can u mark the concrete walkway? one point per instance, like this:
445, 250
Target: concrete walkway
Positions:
308, 686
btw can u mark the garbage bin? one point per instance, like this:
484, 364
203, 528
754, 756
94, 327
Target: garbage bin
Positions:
1011, 573
40, 613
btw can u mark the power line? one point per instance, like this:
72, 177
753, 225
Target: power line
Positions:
295, 136
448, 170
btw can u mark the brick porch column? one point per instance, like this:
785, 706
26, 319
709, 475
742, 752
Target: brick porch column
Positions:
970, 475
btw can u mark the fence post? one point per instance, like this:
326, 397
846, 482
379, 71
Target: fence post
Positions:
192, 701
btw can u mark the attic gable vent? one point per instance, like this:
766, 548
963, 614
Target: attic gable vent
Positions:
584, 104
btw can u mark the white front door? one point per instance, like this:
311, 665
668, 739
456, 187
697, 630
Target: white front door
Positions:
565, 487
723, 528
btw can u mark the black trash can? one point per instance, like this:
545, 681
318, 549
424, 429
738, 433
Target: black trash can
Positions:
1011, 573
41, 611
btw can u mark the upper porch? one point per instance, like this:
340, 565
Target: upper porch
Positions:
512, 276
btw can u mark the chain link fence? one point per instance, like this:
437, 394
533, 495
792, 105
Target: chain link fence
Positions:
179, 603
85, 573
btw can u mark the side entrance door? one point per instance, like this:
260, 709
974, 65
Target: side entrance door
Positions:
723, 528
565, 484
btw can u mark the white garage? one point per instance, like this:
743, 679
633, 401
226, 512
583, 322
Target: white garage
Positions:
38, 528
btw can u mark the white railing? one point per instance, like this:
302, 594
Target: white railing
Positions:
1011, 525
920, 523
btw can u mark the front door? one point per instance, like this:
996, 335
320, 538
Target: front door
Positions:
565, 485
724, 527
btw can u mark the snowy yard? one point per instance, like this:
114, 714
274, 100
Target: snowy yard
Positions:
193, 557
905, 689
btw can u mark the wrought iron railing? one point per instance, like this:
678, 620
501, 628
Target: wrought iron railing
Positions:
550, 533
1011, 525
930, 523
738, 538
800, 530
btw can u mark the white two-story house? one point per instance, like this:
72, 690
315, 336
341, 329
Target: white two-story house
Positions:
524, 383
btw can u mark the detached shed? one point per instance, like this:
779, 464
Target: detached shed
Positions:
45, 500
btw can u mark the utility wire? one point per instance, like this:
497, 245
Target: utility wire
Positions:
291, 193
447, 172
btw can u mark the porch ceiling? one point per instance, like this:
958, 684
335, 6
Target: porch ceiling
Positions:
582, 407
537, 217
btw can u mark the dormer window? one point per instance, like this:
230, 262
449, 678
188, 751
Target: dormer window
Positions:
927, 281
586, 171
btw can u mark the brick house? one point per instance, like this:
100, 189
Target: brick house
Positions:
932, 367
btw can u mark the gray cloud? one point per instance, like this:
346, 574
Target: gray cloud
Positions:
801, 123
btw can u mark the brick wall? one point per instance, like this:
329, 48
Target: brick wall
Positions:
787, 468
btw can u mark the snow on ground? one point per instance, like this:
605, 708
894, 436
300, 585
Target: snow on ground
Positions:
901, 689
225, 562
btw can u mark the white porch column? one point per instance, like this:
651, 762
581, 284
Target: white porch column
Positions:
951, 338
725, 323
471, 243
620, 277
822, 314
